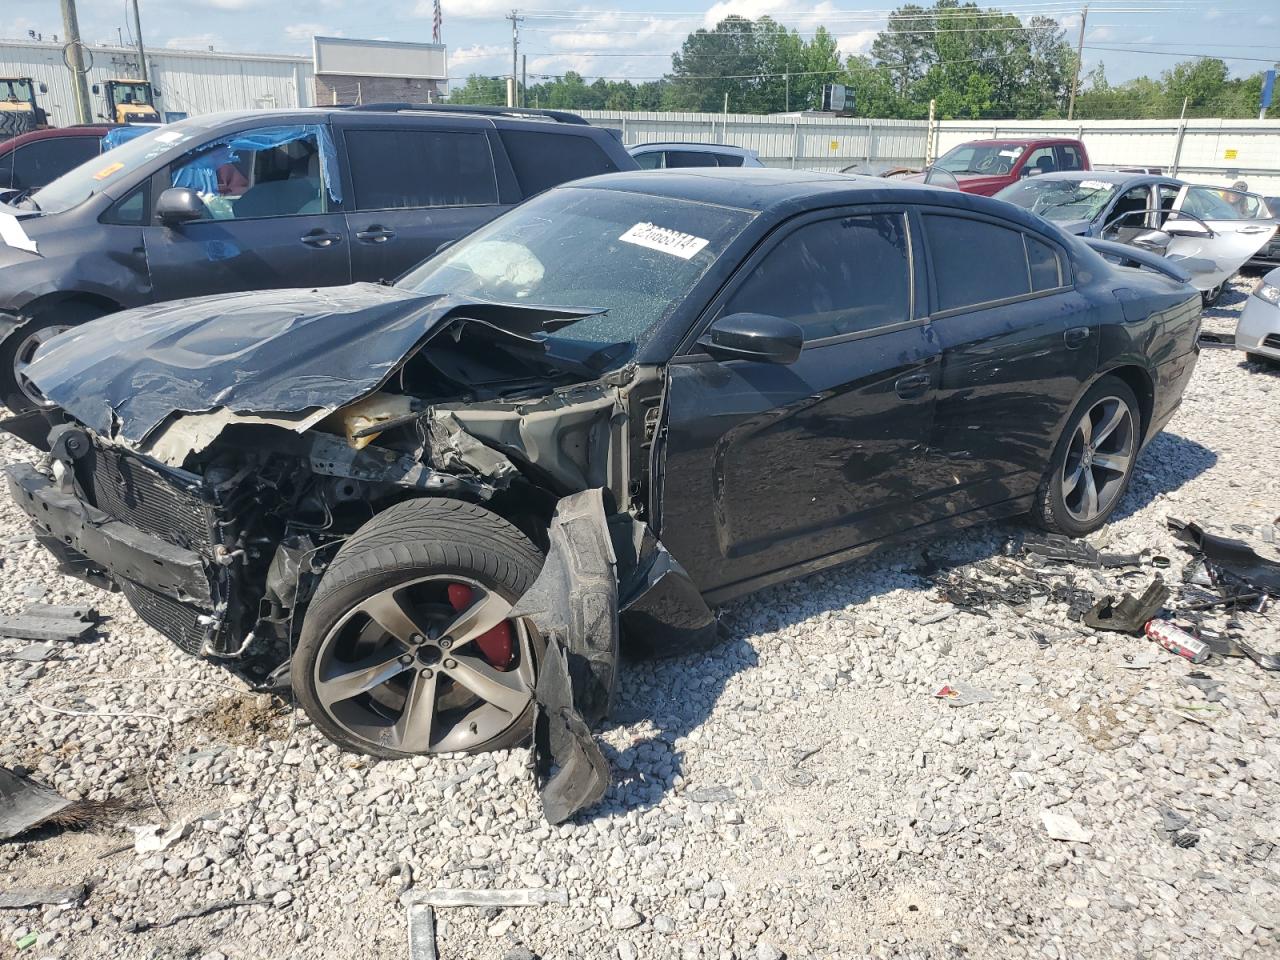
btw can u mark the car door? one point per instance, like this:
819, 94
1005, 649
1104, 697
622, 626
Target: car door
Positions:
414, 188
768, 467
273, 216
1018, 343
1223, 230
1131, 214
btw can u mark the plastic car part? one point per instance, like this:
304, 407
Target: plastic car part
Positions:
1234, 556
1128, 615
25, 804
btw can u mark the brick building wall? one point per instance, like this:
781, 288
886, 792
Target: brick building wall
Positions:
333, 88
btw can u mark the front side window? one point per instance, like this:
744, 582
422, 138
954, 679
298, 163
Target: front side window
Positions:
649, 161
974, 261
1217, 203
406, 169
266, 172
1041, 161
834, 277
635, 257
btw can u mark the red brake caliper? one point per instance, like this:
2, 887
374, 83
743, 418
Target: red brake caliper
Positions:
496, 644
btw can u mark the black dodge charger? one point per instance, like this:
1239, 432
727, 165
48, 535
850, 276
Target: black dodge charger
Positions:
620, 404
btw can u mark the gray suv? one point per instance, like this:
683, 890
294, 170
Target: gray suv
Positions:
256, 200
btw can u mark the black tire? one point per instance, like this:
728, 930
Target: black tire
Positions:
1050, 510
416, 539
16, 347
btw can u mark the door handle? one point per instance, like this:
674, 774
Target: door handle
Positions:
912, 385
375, 234
1076, 337
320, 238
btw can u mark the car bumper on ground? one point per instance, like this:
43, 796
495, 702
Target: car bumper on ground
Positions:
1258, 331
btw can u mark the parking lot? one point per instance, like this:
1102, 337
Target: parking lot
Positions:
798, 791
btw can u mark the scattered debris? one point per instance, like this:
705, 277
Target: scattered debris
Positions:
1063, 826
32, 653
961, 694
1235, 647
1059, 549
1216, 341
422, 932
1176, 640
151, 838
47, 621
141, 926
1174, 825
519, 897
1235, 558
1142, 660
1211, 688
1128, 615
25, 804
20, 898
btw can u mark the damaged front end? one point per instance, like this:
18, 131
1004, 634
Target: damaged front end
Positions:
216, 496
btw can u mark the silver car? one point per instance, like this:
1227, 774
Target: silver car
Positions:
1258, 332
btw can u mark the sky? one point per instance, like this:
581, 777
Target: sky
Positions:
634, 39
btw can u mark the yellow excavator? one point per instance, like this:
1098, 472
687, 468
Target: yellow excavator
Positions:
19, 110
128, 101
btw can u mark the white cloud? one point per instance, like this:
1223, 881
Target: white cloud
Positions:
1265, 20
1213, 13
300, 32
195, 41
231, 4
477, 53
1100, 33
854, 43
465, 9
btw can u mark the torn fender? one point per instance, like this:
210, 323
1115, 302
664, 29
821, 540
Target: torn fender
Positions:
574, 604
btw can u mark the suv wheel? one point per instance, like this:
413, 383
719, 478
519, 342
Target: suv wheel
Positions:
19, 348
1093, 461
407, 648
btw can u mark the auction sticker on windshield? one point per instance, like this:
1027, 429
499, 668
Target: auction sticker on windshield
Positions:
664, 240
1094, 184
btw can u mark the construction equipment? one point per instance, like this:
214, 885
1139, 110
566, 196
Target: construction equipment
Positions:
129, 101
19, 110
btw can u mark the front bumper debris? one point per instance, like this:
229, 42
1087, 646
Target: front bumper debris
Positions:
75, 533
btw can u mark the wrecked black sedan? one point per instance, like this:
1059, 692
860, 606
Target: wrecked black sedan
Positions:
616, 406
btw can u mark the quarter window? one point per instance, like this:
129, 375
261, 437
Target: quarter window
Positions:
399, 169
1071, 159
1046, 270
975, 261
544, 160
834, 277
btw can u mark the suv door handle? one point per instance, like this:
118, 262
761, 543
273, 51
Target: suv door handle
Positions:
1076, 337
320, 238
375, 234
912, 385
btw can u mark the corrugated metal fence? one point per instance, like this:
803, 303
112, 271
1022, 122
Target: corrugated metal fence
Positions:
1215, 151
190, 81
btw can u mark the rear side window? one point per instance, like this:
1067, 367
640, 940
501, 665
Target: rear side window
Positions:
1071, 159
834, 277
690, 158
544, 160
1046, 271
975, 261
404, 169
729, 159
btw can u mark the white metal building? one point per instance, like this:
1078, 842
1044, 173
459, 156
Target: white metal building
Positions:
189, 81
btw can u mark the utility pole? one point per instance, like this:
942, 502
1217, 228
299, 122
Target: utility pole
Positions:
524, 79
513, 98
137, 36
787, 79
1075, 80
75, 61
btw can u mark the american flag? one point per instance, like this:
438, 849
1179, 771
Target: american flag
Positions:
435, 24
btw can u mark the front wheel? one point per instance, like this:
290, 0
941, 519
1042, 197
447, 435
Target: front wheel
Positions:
19, 348
1093, 461
407, 647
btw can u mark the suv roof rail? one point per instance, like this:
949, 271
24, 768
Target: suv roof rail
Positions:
559, 116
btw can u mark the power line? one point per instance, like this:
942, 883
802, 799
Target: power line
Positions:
1170, 53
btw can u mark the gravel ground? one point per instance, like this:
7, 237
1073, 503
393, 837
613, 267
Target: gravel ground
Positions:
914, 830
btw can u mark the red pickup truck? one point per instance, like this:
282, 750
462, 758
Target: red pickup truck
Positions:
988, 166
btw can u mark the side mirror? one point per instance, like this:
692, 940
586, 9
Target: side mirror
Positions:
156, 93
180, 205
753, 336
1157, 241
96, 90
44, 88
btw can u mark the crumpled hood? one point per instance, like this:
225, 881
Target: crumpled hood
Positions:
264, 352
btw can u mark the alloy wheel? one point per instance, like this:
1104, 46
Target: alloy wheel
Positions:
23, 356
432, 665
1098, 460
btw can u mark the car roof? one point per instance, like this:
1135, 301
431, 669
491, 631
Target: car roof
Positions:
1026, 140
432, 116
687, 145
765, 189
52, 133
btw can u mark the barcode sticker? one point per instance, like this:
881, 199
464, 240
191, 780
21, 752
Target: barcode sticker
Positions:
664, 240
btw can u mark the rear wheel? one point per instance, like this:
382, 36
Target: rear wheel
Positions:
407, 647
19, 348
1093, 461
